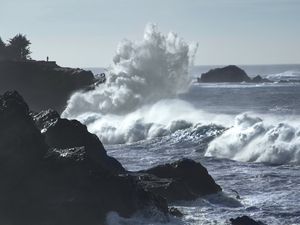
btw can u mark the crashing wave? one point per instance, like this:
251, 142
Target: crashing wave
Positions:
150, 121
291, 75
143, 73
135, 103
251, 139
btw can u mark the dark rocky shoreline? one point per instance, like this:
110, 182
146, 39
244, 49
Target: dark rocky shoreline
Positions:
44, 84
55, 172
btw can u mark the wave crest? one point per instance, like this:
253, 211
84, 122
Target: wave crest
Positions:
251, 139
143, 73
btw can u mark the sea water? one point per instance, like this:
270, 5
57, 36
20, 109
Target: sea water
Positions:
151, 111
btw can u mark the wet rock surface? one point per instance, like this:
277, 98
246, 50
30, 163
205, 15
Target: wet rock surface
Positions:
182, 180
65, 134
245, 220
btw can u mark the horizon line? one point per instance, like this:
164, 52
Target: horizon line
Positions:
259, 64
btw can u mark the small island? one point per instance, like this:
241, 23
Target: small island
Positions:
229, 73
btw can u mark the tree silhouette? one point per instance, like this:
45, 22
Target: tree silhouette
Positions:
2, 50
2, 44
18, 47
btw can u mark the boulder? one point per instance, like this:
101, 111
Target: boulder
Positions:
21, 143
226, 74
259, 79
184, 179
65, 134
44, 84
245, 220
175, 212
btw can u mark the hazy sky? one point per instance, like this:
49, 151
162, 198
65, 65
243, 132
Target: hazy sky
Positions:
82, 33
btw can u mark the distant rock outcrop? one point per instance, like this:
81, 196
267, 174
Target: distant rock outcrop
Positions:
44, 84
229, 74
259, 79
226, 74
53, 171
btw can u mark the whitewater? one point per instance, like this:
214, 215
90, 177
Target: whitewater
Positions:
151, 111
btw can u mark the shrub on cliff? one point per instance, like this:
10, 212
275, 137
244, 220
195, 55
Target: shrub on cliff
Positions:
16, 49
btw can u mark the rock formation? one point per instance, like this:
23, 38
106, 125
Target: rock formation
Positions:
229, 74
259, 79
245, 220
53, 171
60, 176
44, 84
61, 134
182, 180
226, 74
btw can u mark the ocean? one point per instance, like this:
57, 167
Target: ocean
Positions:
260, 161
152, 111
264, 168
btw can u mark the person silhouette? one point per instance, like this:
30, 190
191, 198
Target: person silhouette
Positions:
47, 58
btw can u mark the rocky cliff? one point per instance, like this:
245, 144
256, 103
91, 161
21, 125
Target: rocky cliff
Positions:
44, 84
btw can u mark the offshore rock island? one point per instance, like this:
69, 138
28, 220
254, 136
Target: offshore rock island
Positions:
229, 73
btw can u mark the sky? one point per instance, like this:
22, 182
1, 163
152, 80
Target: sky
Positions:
85, 33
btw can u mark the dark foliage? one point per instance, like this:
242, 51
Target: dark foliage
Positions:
2, 50
17, 48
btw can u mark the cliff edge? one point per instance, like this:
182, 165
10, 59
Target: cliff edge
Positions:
44, 84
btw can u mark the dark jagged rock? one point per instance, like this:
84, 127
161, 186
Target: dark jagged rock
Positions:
63, 183
259, 79
175, 212
182, 180
226, 74
44, 84
21, 144
45, 119
64, 134
53, 171
245, 220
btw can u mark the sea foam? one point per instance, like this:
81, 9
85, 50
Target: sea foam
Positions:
252, 139
143, 72
129, 106
139, 101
